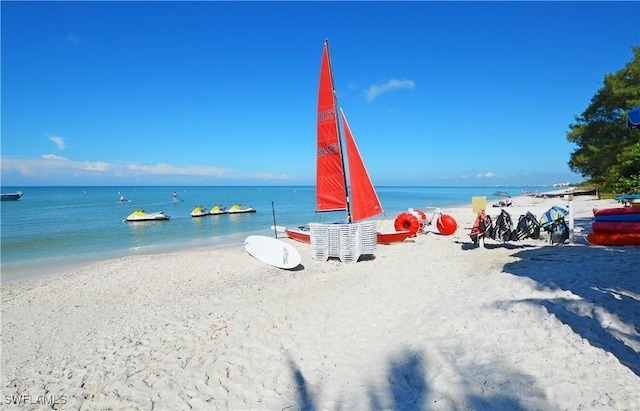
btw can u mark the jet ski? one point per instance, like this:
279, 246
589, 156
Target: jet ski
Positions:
141, 215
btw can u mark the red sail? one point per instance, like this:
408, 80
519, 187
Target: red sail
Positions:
330, 181
364, 199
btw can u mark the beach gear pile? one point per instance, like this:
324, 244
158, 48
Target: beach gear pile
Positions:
503, 228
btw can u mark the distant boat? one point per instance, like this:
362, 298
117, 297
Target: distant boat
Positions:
502, 194
141, 215
571, 191
12, 196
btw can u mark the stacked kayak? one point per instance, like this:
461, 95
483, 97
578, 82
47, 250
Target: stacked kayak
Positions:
615, 226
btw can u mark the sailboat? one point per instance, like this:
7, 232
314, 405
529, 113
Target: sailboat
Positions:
359, 198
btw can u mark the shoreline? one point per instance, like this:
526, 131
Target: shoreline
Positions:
431, 323
18, 271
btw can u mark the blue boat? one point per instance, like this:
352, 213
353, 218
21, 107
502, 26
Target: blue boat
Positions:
11, 196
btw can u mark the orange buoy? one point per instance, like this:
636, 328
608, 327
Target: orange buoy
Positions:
407, 222
447, 225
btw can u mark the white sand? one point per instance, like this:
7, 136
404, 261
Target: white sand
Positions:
427, 324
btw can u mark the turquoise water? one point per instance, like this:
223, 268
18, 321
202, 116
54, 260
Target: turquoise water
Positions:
53, 228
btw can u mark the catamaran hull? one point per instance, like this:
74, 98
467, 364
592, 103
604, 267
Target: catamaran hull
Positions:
299, 235
304, 236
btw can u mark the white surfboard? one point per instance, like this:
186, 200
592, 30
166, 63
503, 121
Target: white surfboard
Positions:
273, 252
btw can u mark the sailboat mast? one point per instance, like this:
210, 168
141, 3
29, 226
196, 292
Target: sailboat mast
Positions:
335, 104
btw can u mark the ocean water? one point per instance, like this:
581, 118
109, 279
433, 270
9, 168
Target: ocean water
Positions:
55, 228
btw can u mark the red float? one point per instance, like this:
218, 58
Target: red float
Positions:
447, 225
407, 222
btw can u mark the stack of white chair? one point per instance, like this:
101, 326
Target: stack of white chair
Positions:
368, 238
344, 241
319, 241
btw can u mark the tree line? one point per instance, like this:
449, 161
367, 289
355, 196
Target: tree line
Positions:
608, 152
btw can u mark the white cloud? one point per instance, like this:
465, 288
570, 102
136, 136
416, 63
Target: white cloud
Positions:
270, 176
488, 174
51, 166
376, 90
53, 157
58, 141
167, 169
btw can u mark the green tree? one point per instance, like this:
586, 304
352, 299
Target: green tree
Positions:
608, 152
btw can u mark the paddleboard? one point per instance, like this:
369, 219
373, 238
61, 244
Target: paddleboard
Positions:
273, 252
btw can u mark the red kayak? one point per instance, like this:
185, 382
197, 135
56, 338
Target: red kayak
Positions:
616, 211
614, 238
615, 227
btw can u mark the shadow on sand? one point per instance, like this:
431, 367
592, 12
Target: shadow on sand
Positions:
602, 277
605, 279
408, 389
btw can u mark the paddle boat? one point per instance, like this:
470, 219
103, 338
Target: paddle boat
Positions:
141, 215
11, 196
199, 212
218, 209
237, 208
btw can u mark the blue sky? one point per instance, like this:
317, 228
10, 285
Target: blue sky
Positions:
225, 93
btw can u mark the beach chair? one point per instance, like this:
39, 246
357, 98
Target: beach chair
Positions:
344, 241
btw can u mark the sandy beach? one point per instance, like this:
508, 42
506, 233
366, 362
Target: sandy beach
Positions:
428, 324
